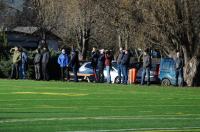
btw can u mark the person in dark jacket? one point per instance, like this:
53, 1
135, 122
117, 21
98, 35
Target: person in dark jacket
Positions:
101, 65
37, 63
179, 69
108, 65
15, 62
125, 63
74, 63
119, 63
63, 61
45, 61
94, 61
146, 67
23, 64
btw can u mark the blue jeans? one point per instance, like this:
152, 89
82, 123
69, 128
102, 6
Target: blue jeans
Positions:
145, 71
120, 72
179, 74
108, 68
22, 71
125, 74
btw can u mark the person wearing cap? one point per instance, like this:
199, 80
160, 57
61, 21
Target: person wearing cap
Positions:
63, 61
101, 65
15, 62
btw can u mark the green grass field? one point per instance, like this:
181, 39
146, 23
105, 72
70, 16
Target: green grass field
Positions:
30, 106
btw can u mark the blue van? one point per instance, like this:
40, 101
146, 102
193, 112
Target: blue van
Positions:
167, 73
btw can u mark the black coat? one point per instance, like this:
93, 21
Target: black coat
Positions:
94, 59
120, 57
45, 57
74, 62
101, 61
125, 60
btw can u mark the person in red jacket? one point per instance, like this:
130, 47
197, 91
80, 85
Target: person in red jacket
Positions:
108, 64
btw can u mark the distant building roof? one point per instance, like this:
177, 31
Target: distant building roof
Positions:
32, 31
15, 4
27, 30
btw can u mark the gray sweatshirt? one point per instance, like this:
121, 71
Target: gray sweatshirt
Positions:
146, 61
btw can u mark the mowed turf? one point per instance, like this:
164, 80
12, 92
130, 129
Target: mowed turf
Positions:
30, 106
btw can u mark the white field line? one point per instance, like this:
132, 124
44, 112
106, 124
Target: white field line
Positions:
48, 93
143, 129
99, 107
32, 100
95, 118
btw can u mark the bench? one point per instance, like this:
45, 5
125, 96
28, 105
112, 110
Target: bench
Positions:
86, 76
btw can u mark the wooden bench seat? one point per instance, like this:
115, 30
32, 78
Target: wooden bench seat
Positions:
86, 76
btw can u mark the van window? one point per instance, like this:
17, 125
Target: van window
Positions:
88, 65
166, 65
172, 66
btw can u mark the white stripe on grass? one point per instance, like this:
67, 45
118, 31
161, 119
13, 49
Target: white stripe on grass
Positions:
95, 118
144, 129
48, 93
94, 107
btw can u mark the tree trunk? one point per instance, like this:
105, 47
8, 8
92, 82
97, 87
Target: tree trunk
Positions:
191, 74
185, 55
119, 40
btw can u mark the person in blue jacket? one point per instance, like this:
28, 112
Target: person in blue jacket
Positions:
63, 61
23, 63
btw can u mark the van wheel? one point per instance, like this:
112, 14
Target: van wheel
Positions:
117, 80
165, 82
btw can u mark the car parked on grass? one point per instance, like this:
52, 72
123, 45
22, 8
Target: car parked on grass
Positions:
86, 68
154, 74
167, 72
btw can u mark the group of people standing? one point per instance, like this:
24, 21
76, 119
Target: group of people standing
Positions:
67, 62
100, 59
19, 62
103, 59
41, 61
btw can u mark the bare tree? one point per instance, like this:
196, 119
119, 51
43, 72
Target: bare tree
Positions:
174, 25
44, 14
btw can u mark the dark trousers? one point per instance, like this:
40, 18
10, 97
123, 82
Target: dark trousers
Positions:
125, 74
67, 73
45, 72
62, 73
145, 71
15, 71
179, 75
75, 70
95, 73
37, 72
120, 72
101, 75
